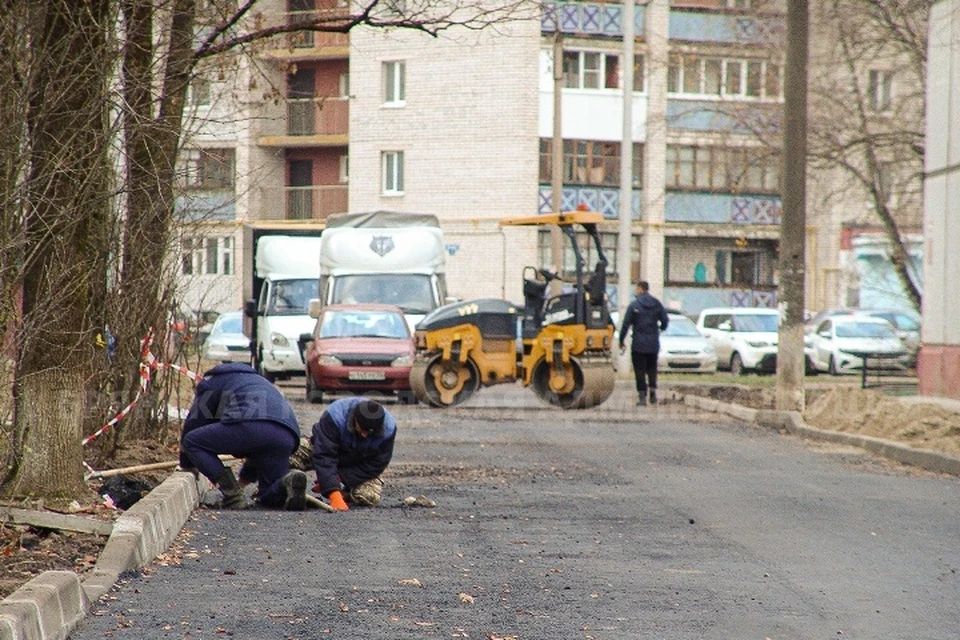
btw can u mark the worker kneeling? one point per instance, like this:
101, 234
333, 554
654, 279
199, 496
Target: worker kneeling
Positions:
238, 412
352, 445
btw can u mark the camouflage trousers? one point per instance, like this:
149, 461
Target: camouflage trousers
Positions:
367, 493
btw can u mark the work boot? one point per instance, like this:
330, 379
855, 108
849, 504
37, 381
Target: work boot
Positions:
233, 497
653, 396
642, 402
295, 484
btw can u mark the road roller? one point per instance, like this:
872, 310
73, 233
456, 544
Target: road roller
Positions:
558, 345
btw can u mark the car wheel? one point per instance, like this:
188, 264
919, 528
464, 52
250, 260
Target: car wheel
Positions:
736, 365
263, 372
314, 395
811, 367
832, 366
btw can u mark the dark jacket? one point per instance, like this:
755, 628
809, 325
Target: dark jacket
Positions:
235, 392
647, 317
339, 455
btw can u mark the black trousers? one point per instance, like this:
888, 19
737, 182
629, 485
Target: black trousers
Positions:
645, 371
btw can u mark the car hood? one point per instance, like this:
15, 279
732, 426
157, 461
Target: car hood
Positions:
364, 345
683, 343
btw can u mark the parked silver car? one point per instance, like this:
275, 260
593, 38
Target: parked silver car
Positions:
684, 349
905, 325
226, 341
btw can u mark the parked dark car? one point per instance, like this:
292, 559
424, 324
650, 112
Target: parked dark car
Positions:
359, 349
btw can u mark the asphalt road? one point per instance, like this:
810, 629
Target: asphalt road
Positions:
616, 522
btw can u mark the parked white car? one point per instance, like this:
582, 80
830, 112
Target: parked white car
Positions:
838, 343
745, 338
684, 349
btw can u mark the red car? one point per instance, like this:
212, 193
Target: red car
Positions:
359, 349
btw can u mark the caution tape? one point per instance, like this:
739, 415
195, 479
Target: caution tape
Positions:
148, 363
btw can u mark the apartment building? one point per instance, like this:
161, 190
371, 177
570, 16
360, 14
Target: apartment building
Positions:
460, 125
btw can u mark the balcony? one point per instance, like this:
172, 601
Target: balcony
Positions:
311, 45
311, 122
314, 202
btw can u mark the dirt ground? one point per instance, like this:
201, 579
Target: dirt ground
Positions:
26, 551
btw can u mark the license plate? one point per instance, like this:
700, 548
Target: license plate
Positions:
367, 375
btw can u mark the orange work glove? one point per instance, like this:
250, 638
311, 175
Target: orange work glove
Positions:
337, 501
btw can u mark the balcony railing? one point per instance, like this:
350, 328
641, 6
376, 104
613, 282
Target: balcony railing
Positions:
318, 39
314, 202
318, 116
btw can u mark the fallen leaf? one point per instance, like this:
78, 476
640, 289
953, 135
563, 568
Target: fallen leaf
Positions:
465, 598
412, 582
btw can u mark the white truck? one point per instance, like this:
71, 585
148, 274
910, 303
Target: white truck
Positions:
385, 257
283, 271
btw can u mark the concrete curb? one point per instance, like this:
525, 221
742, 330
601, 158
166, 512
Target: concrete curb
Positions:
792, 422
51, 605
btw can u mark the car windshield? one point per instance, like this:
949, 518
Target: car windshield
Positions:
363, 324
410, 291
753, 323
863, 330
229, 324
291, 297
681, 326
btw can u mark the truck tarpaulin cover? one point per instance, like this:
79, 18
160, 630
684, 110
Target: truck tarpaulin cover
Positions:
389, 219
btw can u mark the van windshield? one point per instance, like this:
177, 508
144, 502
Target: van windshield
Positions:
411, 292
291, 297
753, 323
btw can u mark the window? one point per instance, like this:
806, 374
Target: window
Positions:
392, 162
394, 90
639, 73
589, 162
728, 77
199, 91
608, 241
880, 90
210, 168
344, 85
723, 169
344, 168
591, 70
211, 255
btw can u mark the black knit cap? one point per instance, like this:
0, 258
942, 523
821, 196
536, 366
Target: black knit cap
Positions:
369, 416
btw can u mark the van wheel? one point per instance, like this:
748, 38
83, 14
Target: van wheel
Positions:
736, 365
263, 372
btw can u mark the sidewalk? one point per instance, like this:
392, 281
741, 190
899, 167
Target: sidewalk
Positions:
52, 604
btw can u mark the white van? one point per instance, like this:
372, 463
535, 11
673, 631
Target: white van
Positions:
745, 338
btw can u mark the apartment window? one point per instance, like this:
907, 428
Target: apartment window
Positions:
199, 91
394, 89
211, 255
590, 70
392, 162
639, 73
210, 168
589, 162
344, 168
728, 77
344, 85
722, 169
880, 90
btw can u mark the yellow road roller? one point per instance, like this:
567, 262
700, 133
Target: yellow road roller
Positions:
558, 345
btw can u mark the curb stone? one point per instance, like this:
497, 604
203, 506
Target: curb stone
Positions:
792, 422
51, 605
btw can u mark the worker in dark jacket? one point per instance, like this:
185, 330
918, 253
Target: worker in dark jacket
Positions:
238, 412
647, 318
352, 445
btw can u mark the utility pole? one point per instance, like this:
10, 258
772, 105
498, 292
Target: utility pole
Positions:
790, 354
556, 175
624, 228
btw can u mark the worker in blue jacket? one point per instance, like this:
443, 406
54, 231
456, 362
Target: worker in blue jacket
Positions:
352, 446
238, 412
645, 318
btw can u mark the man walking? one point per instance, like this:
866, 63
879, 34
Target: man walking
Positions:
352, 445
238, 412
647, 318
